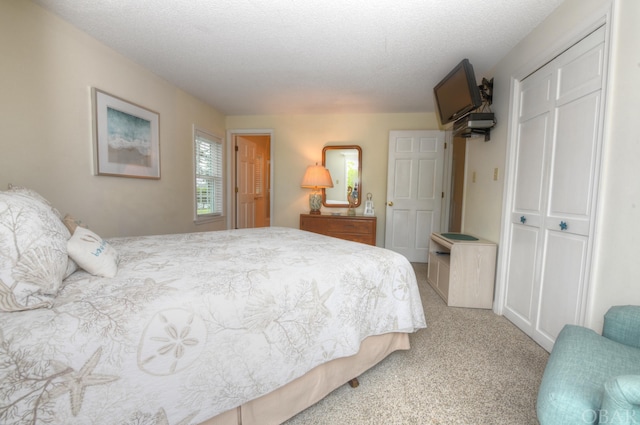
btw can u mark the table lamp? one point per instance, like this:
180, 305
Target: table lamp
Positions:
316, 177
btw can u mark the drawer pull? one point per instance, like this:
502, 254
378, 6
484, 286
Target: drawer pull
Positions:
523, 219
563, 225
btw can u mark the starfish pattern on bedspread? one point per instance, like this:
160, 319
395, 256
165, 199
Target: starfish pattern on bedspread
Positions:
76, 383
8, 300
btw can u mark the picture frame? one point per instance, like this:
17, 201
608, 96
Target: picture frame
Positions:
127, 138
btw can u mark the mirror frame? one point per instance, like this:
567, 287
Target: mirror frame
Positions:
324, 162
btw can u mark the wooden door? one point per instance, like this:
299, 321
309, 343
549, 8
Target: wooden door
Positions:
246, 183
458, 159
414, 191
557, 150
573, 167
530, 185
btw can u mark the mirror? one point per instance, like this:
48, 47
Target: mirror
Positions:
345, 165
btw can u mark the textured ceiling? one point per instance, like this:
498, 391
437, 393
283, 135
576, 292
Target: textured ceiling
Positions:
307, 56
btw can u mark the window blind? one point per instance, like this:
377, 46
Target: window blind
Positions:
209, 172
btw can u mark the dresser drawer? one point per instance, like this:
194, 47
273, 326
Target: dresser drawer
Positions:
349, 226
317, 225
352, 228
366, 239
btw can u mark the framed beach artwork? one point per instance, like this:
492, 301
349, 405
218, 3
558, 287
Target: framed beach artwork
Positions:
127, 138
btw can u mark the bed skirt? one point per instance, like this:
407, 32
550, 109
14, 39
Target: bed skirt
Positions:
289, 400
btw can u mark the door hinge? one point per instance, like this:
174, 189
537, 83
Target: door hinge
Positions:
445, 145
442, 195
236, 148
237, 190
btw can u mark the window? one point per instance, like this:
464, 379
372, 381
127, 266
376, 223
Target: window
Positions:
208, 176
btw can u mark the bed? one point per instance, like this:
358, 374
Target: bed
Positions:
229, 327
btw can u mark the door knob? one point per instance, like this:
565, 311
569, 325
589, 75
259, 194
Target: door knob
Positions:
390, 203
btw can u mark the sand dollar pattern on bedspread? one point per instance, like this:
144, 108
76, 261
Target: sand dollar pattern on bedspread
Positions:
185, 329
173, 339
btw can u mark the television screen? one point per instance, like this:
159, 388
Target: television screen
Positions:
458, 93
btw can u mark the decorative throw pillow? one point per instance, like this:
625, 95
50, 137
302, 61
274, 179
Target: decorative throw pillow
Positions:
71, 222
92, 253
33, 242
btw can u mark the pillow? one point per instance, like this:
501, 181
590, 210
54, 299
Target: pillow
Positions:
35, 195
33, 242
71, 265
92, 253
71, 222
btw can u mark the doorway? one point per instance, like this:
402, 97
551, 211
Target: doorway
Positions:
251, 171
456, 205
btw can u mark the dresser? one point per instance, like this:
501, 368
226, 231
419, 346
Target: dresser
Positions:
352, 228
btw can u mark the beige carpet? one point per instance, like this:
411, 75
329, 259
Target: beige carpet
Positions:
468, 367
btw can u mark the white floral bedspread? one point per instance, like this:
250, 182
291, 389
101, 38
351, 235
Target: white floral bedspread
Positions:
195, 324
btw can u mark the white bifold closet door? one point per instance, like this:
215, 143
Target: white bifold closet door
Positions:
553, 191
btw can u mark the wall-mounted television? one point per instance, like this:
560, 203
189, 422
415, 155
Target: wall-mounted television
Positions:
458, 93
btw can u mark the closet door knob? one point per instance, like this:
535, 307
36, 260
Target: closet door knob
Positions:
390, 203
563, 225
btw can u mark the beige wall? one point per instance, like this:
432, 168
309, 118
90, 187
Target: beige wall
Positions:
298, 141
46, 72
616, 271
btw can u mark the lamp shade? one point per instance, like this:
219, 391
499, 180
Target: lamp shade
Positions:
317, 177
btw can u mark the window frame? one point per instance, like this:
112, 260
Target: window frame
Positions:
218, 179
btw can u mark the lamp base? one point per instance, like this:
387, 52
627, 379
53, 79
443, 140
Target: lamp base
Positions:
315, 202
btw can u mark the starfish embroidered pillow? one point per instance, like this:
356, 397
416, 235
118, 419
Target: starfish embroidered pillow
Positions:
33, 242
92, 253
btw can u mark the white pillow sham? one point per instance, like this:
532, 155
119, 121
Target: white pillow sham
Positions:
33, 242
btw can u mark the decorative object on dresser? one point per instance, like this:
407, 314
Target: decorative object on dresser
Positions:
462, 269
352, 228
316, 177
368, 206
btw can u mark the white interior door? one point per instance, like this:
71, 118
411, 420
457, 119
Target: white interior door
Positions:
246, 180
555, 182
527, 210
414, 191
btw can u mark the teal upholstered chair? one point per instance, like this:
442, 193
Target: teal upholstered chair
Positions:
591, 378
